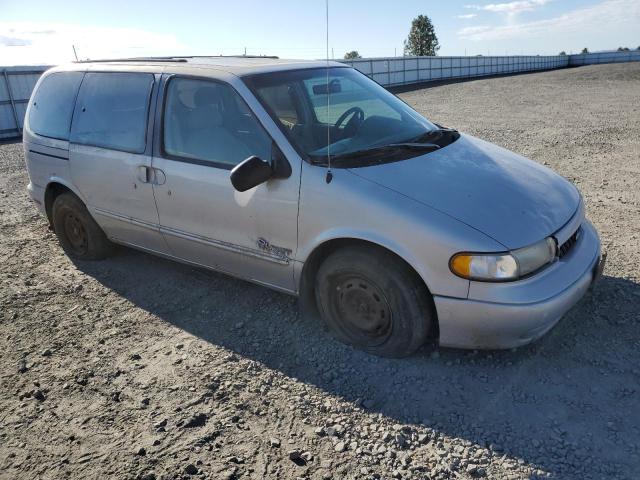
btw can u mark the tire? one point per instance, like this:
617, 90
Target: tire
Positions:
371, 300
78, 233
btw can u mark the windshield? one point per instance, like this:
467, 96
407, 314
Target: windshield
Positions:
344, 117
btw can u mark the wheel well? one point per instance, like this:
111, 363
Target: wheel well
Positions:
52, 192
315, 259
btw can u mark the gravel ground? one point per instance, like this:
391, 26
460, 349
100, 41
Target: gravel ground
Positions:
137, 367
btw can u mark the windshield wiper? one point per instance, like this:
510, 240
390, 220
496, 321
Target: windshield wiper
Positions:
414, 145
378, 154
378, 151
434, 135
385, 150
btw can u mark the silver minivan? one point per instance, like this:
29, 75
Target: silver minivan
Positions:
310, 178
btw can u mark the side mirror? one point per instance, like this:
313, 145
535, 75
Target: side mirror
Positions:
250, 173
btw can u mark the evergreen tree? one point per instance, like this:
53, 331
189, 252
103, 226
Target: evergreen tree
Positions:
351, 55
422, 39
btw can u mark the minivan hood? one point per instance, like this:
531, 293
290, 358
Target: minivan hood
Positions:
512, 199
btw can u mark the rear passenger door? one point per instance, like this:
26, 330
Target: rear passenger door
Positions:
207, 129
110, 155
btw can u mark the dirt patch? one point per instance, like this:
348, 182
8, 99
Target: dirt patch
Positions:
137, 367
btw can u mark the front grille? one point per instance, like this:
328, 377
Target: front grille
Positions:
567, 246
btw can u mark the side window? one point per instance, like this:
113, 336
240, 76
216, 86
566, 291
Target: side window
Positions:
209, 121
52, 104
349, 94
112, 111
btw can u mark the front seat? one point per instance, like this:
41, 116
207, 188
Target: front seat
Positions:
207, 137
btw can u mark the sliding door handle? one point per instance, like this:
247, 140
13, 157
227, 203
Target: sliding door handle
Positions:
144, 174
151, 175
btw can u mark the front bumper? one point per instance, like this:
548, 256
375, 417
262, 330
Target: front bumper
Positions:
499, 324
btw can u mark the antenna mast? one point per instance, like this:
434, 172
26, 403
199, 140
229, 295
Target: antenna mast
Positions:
329, 174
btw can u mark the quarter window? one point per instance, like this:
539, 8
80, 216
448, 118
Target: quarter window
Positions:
112, 111
52, 104
208, 121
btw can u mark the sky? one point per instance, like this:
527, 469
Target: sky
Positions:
37, 32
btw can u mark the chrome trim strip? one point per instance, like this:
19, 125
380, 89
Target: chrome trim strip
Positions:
569, 228
48, 155
206, 267
230, 247
125, 218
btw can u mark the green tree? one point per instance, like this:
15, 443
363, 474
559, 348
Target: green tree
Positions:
422, 39
351, 55
623, 49
585, 50
563, 53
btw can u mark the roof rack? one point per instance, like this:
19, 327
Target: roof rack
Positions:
273, 57
176, 58
137, 59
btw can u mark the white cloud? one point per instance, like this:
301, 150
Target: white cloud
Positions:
609, 12
467, 16
47, 43
511, 8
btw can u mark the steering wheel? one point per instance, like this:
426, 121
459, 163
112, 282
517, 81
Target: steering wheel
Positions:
354, 122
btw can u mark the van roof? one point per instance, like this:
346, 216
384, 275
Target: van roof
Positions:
238, 65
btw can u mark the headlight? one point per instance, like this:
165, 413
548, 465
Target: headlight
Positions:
502, 267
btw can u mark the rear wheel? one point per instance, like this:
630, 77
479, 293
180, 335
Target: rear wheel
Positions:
78, 233
370, 299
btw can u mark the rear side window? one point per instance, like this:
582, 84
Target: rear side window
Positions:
52, 104
112, 111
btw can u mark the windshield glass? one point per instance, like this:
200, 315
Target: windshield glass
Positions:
349, 114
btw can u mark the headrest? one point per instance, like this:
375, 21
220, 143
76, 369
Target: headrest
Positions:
206, 96
207, 107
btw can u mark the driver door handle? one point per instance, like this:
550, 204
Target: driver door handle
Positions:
159, 178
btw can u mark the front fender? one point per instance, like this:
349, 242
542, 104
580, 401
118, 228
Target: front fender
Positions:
351, 207
364, 236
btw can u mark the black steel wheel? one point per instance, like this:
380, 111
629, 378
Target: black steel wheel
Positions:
78, 233
372, 300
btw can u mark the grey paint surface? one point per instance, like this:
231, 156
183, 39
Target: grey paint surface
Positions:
469, 196
512, 199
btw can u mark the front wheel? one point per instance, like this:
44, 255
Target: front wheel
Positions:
370, 299
78, 233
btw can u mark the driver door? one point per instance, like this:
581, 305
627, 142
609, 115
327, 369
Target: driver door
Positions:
207, 128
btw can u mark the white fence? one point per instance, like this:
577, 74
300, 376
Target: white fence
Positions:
16, 83
396, 71
604, 57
